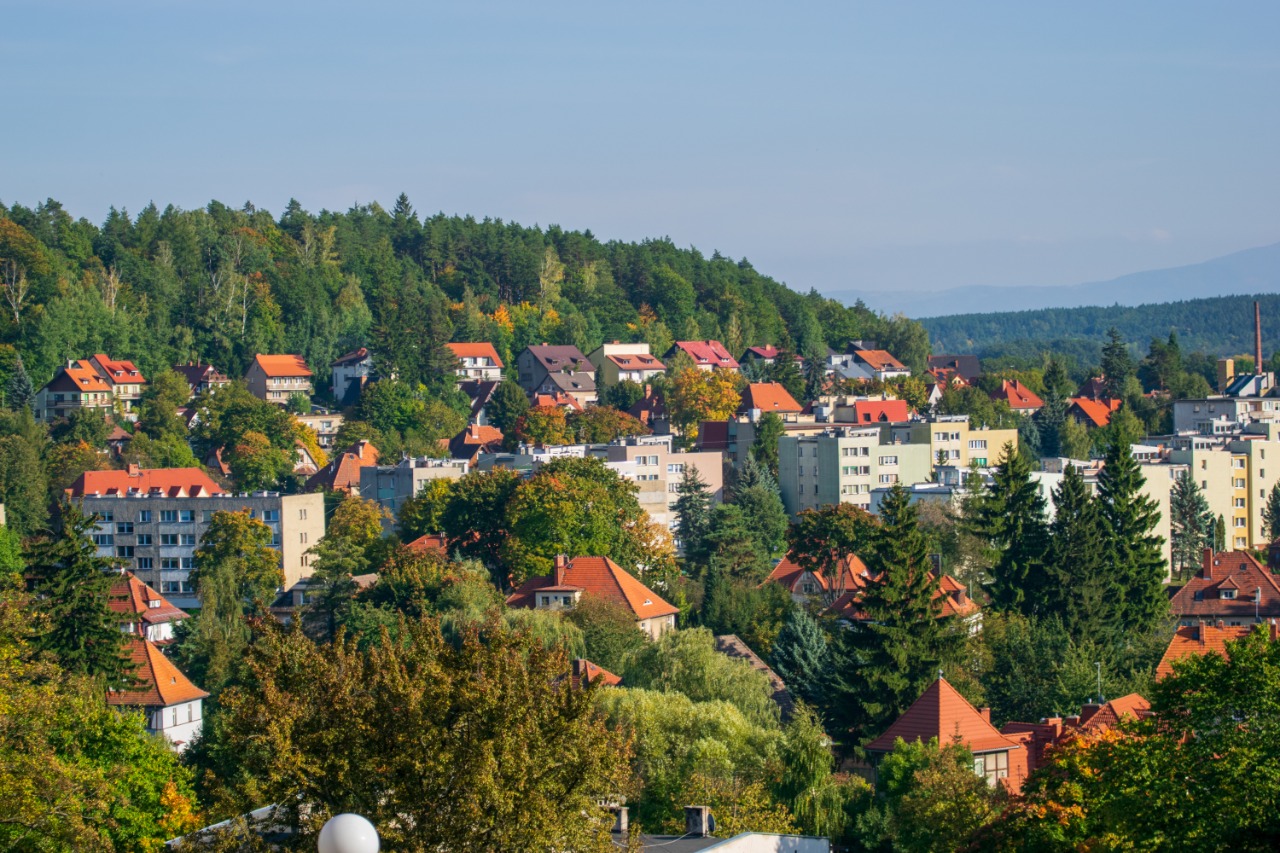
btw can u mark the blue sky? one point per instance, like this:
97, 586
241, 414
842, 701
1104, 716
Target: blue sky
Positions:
837, 145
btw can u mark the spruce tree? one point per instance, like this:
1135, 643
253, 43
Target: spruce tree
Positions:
1220, 534
1135, 551
19, 391
72, 588
1011, 517
506, 406
1117, 364
1191, 523
693, 514
756, 494
1081, 590
800, 656
888, 656
1271, 514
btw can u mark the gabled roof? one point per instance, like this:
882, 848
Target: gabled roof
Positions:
342, 473
578, 382
942, 713
732, 646
1094, 388
636, 361
561, 399
482, 349
171, 482
480, 392
559, 356
968, 367
200, 374
79, 376
881, 411
769, 397
878, 359
117, 372
430, 542
851, 574
159, 682
649, 407
706, 354
1133, 706
1017, 395
282, 365
767, 351
1201, 639
354, 357
585, 669
473, 440
1098, 412
1238, 571
598, 576
130, 596
951, 598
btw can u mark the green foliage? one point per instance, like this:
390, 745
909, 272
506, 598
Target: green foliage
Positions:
23, 487
693, 514
609, 632
1011, 517
800, 656
1270, 514
1192, 524
764, 448
820, 538
1135, 550
755, 612
158, 409
622, 395
475, 518
424, 513
1081, 587
756, 494
406, 419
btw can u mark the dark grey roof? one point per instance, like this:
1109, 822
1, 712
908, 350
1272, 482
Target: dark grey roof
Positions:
731, 645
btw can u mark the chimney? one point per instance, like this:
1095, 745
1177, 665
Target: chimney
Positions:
1257, 338
134, 470
562, 563
986, 714
698, 822
1200, 638
1207, 562
621, 826
1275, 631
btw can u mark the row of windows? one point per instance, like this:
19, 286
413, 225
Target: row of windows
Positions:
855, 489
854, 470
978, 444
888, 460
852, 451
180, 516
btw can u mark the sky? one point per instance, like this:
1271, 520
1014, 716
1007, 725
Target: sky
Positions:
838, 146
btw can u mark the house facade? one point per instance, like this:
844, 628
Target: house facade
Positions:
392, 485
125, 380
75, 386
535, 363
571, 579
477, 362
1232, 589
173, 706
201, 378
843, 465
350, 372
617, 362
276, 378
706, 355
142, 611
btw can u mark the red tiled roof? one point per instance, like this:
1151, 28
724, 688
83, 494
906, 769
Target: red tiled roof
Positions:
1097, 411
1199, 640
482, 349
768, 397
473, 440
131, 596
650, 406
598, 576
951, 596
1017, 395
583, 668
705, 353
83, 377
342, 473
160, 683
852, 574
119, 372
881, 411
879, 359
1200, 597
355, 355
1133, 706
636, 361
282, 365
942, 713
430, 542
173, 482
766, 351
567, 401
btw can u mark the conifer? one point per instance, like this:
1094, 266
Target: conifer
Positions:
1082, 590
1011, 516
1135, 551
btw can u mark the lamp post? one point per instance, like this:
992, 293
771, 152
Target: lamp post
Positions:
348, 833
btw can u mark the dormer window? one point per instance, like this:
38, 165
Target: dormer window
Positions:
1227, 594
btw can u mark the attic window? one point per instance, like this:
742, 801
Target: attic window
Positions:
1227, 593
648, 601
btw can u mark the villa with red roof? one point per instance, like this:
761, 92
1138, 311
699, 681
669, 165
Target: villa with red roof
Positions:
804, 585
477, 362
571, 579
1019, 397
768, 397
1039, 737
618, 362
1205, 638
1232, 588
342, 472
876, 364
706, 355
143, 611
941, 713
951, 597
76, 386
276, 378
474, 440
125, 379
174, 707
1092, 413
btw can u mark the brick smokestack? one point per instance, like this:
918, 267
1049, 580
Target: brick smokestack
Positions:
1257, 338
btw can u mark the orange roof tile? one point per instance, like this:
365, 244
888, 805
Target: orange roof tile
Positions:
173, 482
282, 365
769, 397
601, 577
951, 597
1017, 395
84, 377
483, 349
355, 356
593, 673
342, 473
567, 401
881, 411
131, 596
879, 359
942, 713
1199, 640
120, 372
160, 683
430, 542
852, 574
1098, 412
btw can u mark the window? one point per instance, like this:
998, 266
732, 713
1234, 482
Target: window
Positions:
1228, 594
1237, 463
302, 537
106, 517
144, 539
302, 514
168, 515
206, 516
546, 600
168, 539
124, 527
889, 478
801, 488
978, 444
144, 563
1239, 522
1239, 503
188, 563
144, 516
271, 515
188, 539
103, 539
675, 467
169, 563
187, 516
1238, 482
888, 460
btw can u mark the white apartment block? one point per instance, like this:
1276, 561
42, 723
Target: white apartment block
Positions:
392, 485
844, 465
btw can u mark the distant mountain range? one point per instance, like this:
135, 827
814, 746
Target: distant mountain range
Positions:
1249, 271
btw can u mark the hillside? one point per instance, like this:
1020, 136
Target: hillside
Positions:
1221, 325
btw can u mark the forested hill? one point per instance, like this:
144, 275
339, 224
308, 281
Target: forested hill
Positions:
1221, 325
221, 284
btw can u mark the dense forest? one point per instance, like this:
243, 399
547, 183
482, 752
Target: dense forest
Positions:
221, 284
1220, 325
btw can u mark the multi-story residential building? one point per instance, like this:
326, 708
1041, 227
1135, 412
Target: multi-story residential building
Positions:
477, 362
546, 369
616, 362
843, 465
392, 485
1200, 415
125, 379
1223, 477
276, 378
201, 377
706, 355
350, 373
656, 469
152, 520
952, 441
325, 425
76, 386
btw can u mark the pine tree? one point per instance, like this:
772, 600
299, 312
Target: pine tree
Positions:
693, 514
1191, 522
756, 494
1081, 589
506, 406
890, 655
800, 656
72, 587
764, 448
1134, 550
786, 372
1117, 364
1271, 514
19, 391
1011, 516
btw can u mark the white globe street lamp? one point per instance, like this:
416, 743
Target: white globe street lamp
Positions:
348, 833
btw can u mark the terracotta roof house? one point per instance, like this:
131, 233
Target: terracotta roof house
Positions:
125, 379
967, 367
1231, 587
951, 597
881, 411
477, 361
563, 401
618, 362
1205, 638
430, 542
651, 410
1019, 397
535, 363
1091, 412
201, 377
803, 584
166, 482
876, 364
586, 671
118, 440
765, 354
706, 355
570, 580
768, 397
350, 373
76, 386
732, 646
142, 610
275, 378
480, 393
1039, 737
342, 472
473, 441
172, 704
942, 713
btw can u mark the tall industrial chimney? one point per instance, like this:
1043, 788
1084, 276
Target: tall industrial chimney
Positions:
1257, 339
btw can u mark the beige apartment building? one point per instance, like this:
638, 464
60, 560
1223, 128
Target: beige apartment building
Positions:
952, 441
844, 465
1223, 477
616, 361
656, 469
276, 378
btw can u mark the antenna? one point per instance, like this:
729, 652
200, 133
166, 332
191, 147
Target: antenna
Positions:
1098, 664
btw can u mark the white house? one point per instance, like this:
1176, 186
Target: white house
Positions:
174, 707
